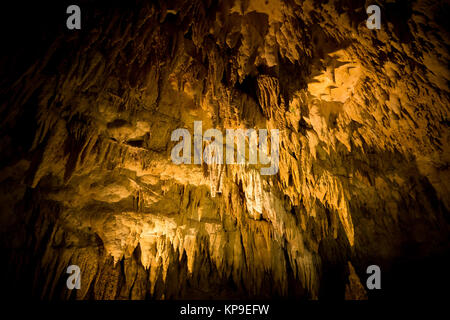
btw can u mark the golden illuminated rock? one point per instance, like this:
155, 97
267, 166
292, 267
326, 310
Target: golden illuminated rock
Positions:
86, 175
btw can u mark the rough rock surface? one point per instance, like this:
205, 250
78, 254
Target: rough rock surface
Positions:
86, 176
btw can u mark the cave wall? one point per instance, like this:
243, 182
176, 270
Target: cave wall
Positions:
86, 176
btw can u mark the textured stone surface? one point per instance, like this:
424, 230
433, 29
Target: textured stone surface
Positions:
86, 176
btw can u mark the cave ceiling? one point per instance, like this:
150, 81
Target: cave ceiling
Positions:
86, 170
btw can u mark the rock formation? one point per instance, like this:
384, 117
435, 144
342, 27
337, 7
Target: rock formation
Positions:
87, 179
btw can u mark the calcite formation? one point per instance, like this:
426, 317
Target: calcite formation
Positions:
87, 179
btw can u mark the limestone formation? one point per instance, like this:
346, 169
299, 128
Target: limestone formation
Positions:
86, 175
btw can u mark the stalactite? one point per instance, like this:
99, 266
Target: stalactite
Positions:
86, 171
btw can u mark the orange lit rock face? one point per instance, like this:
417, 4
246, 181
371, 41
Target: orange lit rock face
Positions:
87, 178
